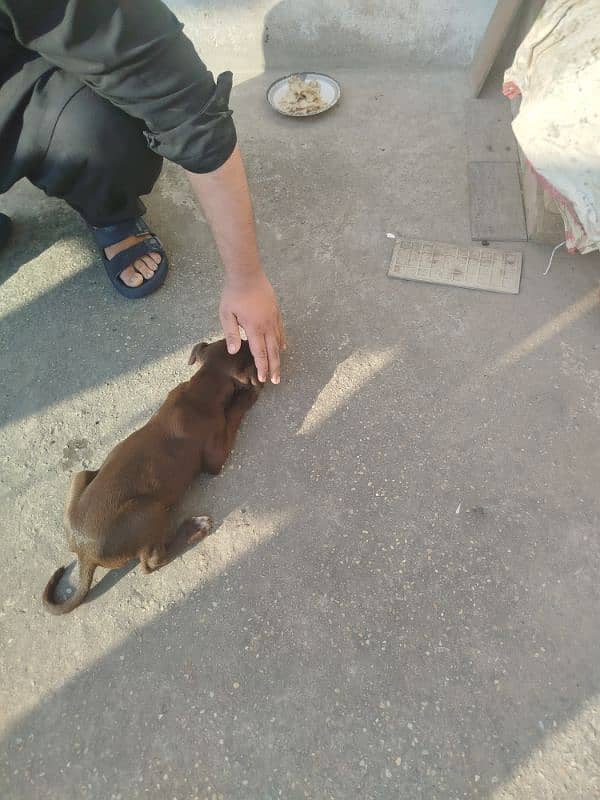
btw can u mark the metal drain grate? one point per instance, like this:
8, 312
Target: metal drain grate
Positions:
447, 264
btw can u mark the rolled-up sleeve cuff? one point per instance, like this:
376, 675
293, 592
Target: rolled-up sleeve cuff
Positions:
206, 138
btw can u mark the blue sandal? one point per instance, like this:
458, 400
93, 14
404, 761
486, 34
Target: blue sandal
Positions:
111, 234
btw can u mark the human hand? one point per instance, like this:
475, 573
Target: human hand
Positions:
250, 302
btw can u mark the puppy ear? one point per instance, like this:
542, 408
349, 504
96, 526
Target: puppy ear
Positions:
195, 355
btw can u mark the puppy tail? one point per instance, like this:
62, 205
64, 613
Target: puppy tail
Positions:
86, 575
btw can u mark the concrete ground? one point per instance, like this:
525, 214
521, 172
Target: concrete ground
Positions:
401, 599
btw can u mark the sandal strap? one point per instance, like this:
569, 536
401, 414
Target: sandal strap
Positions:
111, 234
125, 258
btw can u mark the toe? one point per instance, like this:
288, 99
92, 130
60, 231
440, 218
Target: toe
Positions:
131, 278
144, 270
150, 262
156, 257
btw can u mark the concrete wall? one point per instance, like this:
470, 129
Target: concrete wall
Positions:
247, 35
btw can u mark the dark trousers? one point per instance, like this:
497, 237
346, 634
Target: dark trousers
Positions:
97, 160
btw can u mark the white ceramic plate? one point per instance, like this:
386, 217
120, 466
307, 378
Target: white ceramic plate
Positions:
330, 92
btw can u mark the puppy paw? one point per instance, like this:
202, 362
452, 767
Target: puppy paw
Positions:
201, 527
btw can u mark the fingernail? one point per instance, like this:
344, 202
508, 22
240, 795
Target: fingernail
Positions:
275, 379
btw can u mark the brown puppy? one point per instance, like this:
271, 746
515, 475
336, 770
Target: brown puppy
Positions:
122, 511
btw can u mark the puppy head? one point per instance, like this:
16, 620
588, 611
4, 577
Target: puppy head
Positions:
239, 366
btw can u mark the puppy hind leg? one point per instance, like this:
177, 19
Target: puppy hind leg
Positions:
195, 529
152, 558
190, 531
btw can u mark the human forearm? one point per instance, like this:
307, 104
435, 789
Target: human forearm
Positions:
248, 299
225, 200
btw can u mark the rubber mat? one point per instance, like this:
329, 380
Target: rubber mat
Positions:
468, 267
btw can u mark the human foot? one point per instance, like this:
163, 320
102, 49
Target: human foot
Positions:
142, 268
134, 258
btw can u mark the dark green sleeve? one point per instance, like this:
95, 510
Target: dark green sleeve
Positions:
134, 53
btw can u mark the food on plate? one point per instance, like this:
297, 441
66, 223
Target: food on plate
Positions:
302, 97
